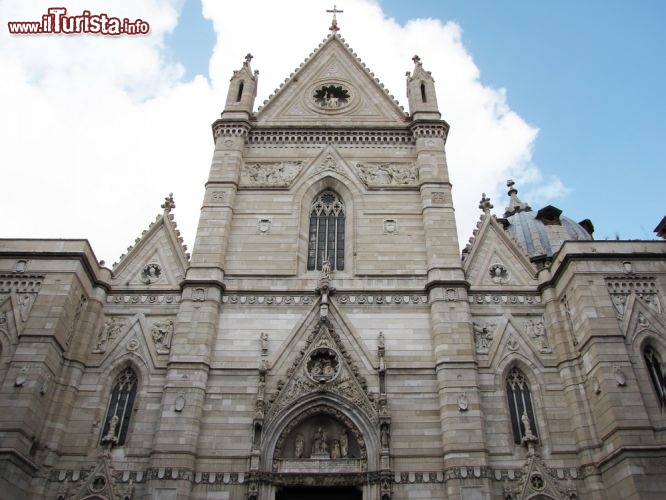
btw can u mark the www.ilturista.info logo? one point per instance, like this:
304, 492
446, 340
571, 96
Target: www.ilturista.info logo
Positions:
58, 22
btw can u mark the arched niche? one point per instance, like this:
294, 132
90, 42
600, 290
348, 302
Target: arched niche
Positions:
335, 416
320, 439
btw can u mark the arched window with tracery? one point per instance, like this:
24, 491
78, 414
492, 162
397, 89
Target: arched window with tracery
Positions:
520, 405
657, 373
327, 232
119, 411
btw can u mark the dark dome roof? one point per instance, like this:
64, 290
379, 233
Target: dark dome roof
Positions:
537, 237
541, 234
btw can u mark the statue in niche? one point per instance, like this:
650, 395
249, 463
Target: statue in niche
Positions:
528, 436
299, 446
344, 445
320, 444
264, 343
385, 435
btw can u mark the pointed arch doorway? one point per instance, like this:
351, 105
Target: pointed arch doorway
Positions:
320, 493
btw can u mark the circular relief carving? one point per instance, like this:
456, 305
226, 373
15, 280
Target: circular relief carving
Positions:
498, 273
536, 481
323, 365
331, 96
151, 273
98, 484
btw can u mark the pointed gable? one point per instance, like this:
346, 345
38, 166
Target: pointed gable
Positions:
157, 260
492, 252
331, 88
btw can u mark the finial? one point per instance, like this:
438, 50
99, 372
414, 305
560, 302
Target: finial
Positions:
334, 23
485, 204
168, 204
416, 59
248, 58
515, 205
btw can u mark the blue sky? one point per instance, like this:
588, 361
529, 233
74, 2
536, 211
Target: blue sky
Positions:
565, 97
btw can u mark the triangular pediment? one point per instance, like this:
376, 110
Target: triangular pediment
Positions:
322, 365
332, 88
148, 337
329, 162
494, 261
511, 339
640, 318
156, 261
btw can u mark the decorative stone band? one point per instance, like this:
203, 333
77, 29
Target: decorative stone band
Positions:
143, 299
430, 130
221, 129
262, 300
504, 299
23, 283
350, 299
340, 137
278, 478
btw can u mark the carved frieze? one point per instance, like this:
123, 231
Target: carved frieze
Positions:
274, 174
388, 174
353, 299
263, 300
508, 299
142, 299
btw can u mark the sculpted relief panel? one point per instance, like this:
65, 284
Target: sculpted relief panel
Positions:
388, 174
274, 174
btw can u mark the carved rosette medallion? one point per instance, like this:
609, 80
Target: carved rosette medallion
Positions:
330, 97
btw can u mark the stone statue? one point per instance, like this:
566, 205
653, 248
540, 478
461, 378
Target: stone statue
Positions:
528, 436
316, 441
264, 344
385, 436
111, 435
326, 269
299, 446
344, 445
335, 450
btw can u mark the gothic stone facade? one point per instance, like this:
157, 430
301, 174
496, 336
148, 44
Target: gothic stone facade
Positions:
326, 338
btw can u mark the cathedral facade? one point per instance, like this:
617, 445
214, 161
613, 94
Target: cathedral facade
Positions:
326, 339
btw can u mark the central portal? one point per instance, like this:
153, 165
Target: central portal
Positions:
310, 493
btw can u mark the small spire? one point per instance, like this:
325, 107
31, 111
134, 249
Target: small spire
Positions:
334, 23
485, 204
168, 204
417, 60
248, 58
515, 205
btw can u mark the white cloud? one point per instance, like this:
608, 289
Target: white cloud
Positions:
97, 130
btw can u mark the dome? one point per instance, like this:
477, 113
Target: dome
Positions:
540, 235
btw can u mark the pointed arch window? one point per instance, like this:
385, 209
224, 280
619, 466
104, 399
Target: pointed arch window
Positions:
326, 239
657, 373
520, 405
120, 406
